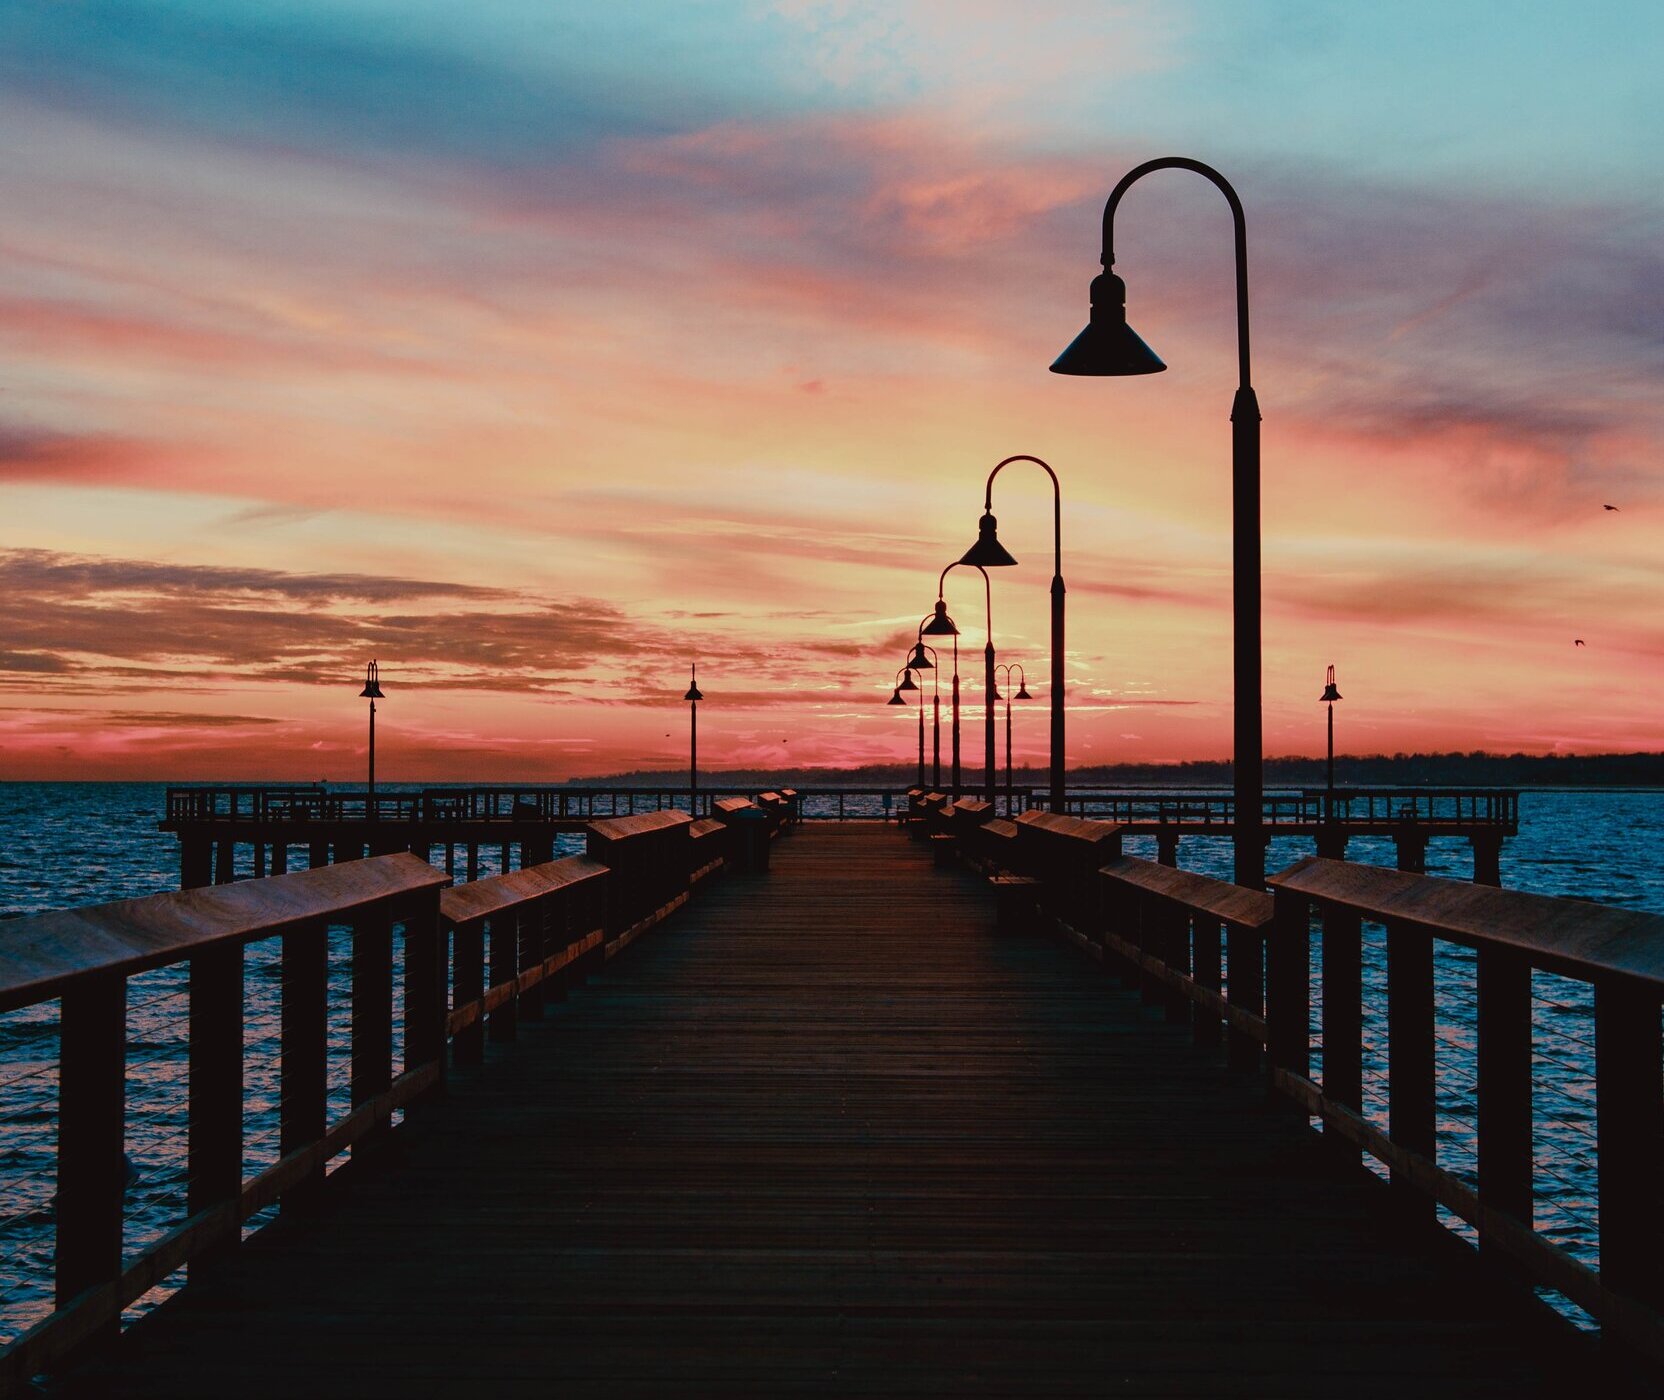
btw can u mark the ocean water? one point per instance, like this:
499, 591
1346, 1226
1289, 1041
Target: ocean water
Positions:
63, 845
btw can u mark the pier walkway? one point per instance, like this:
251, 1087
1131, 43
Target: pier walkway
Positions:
828, 1132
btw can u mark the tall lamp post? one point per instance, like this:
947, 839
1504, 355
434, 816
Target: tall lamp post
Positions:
693, 697
1109, 346
1022, 694
1329, 696
924, 659
941, 625
989, 552
372, 693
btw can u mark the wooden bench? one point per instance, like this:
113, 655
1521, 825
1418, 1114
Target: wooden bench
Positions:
747, 847
711, 841
1065, 853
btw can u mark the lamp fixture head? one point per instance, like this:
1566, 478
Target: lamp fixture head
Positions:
987, 552
995, 693
1329, 692
940, 624
1108, 345
694, 693
918, 661
907, 682
895, 698
1022, 692
372, 684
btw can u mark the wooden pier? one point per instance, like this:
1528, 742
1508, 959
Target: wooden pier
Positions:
853, 1126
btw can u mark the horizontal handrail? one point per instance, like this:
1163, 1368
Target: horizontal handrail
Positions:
1572, 937
43, 955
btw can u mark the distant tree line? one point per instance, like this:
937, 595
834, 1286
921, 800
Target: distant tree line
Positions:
1373, 770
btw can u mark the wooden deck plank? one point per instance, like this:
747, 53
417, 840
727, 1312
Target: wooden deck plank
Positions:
828, 1133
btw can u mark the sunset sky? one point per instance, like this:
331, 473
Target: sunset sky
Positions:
535, 349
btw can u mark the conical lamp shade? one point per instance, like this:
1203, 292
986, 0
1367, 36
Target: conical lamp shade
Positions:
987, 551
940, 625
1329, 692
896, 698
1108, 345
694, 693
1022, 693
919, 661
907, 682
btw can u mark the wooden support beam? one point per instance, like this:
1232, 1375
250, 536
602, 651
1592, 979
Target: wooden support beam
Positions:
303, 1079
1343, 1024
1410, 1069
92, 1169
215, 1133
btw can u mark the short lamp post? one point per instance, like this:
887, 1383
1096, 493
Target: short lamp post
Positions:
1022, 694
1329, 696
924, 659
904, 681
990, 553
693, 697
372, 693
939, 624
1109, 346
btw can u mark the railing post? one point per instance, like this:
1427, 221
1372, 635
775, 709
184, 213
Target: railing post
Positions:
424, 985
1410, 1086
467, 985
1504, 984
534, 945
372, 1005
505, 965
214, 1154
92, 1172
1175, 952
303, 1083
1205, 941
1288, 1010
1629, 1099
1245, 981
1343, 1021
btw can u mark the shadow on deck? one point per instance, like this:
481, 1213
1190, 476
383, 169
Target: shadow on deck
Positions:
828, 1133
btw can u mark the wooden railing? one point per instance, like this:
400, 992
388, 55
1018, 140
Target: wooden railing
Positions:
1163, 928
1383, 808
542, 926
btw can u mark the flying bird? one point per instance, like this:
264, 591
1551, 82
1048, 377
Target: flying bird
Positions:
1578, 641
1611, 507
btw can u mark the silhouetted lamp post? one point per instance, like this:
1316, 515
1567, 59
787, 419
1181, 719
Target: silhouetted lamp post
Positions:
1329, 696
924, 659
941, 625
372, 693
990, 553
1022, 694
693, 697
1109, 346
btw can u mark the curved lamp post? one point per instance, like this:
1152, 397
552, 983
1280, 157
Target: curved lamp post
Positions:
1329, 696
988, 551
1022, 694
1109, 346
693, 697
924, 659
941, 625
372, 693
